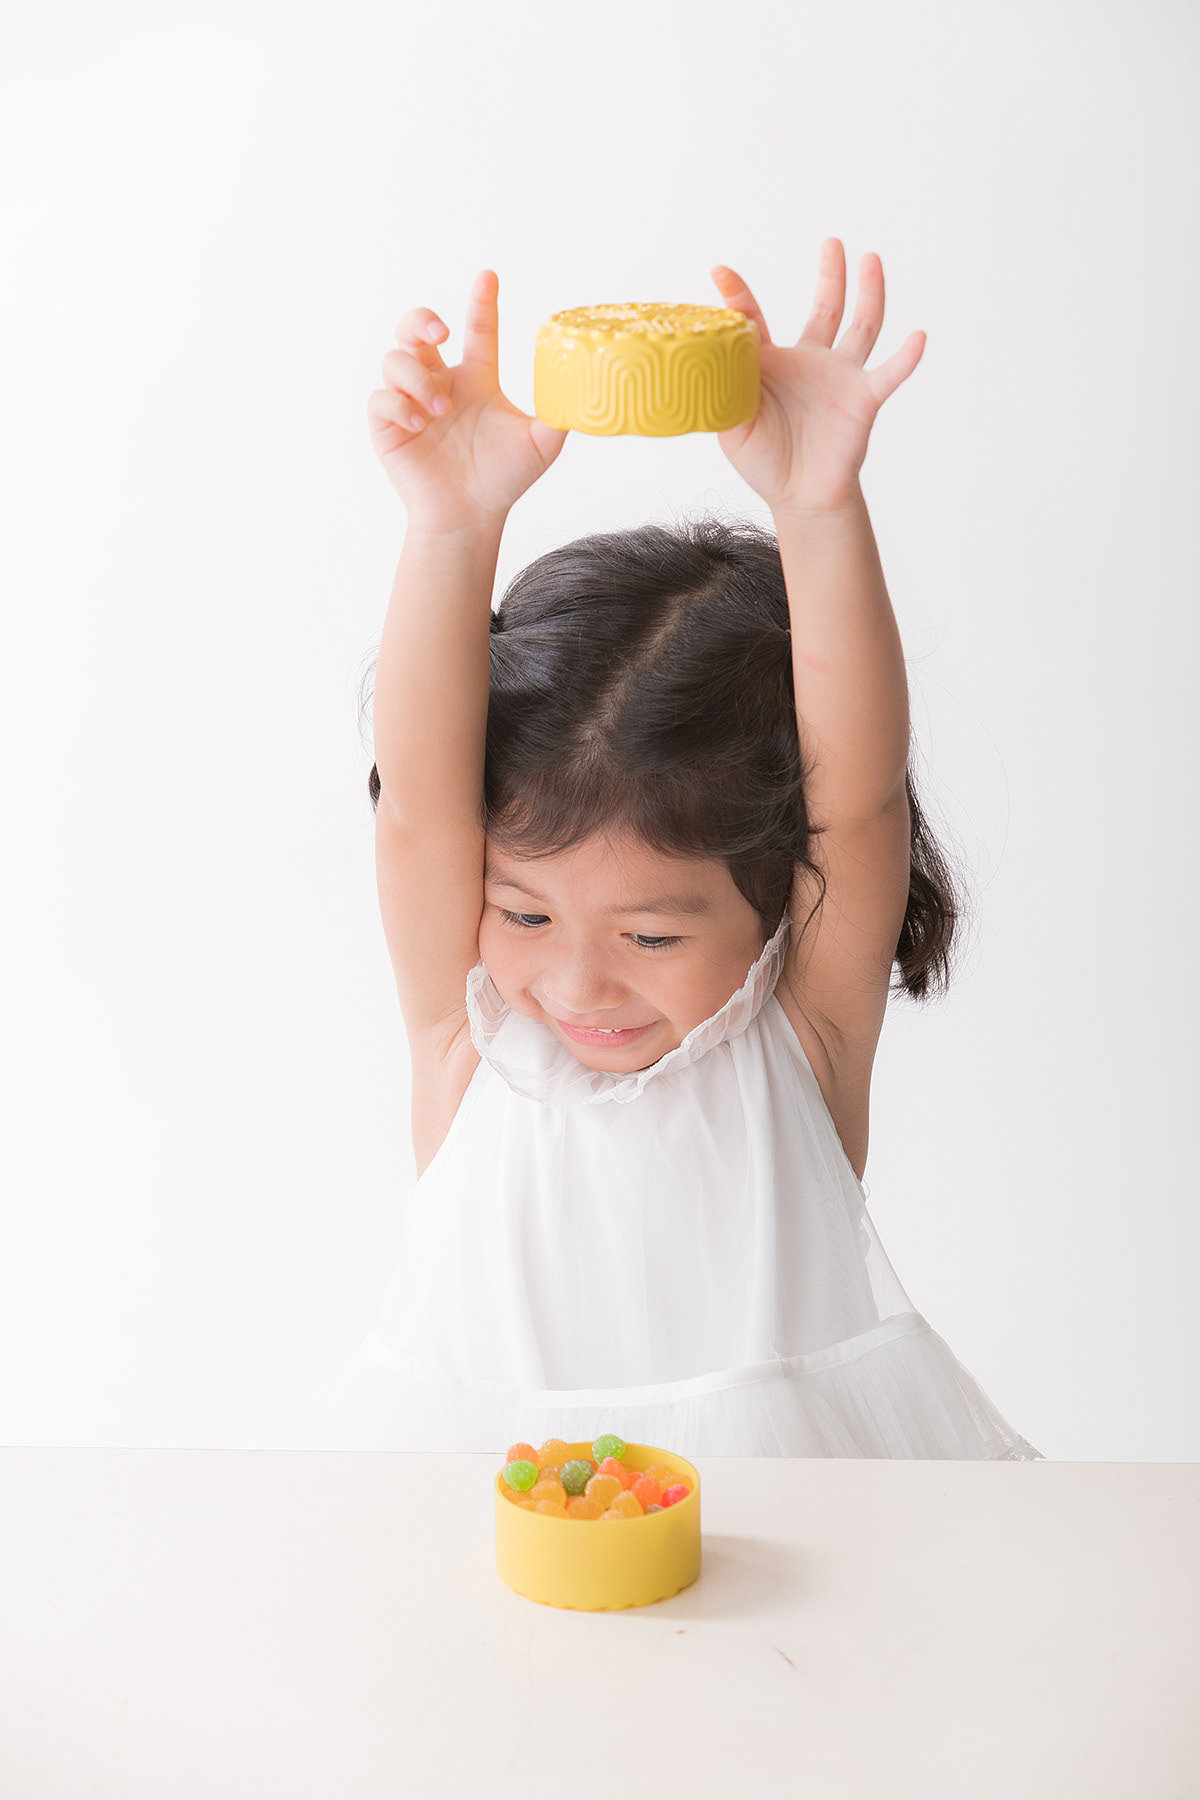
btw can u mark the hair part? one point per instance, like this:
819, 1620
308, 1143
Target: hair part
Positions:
641, 684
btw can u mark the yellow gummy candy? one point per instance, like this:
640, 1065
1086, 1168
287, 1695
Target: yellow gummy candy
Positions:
549, 1487
603, 1488
579, 1506
626, 1506
553, 1454
552, 1508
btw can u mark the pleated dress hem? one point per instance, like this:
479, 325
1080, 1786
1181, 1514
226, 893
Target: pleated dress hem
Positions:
895, 1391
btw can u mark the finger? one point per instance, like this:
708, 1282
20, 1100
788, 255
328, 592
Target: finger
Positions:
887, 377
389, 412
410, 376
420, 328
738, 298
829, 300
858, 339
481, 338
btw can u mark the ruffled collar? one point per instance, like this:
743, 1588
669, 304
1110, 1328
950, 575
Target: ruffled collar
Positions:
536, 1064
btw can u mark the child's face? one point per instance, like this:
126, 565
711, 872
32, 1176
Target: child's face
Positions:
585, 958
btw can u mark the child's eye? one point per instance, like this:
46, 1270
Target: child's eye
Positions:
529, 922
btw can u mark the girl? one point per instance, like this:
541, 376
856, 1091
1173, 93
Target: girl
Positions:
647, 850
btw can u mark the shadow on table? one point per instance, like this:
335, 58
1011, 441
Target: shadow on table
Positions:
740, 1577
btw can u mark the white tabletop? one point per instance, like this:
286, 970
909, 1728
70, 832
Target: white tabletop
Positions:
280, 1625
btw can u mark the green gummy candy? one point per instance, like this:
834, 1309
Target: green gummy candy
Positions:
575, 1475
521, 1475
608, 1446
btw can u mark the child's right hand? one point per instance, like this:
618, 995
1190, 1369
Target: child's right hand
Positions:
469, 462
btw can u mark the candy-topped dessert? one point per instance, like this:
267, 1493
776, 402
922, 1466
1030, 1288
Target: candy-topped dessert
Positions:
539, 1491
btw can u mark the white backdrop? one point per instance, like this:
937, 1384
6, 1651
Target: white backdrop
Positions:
212, 225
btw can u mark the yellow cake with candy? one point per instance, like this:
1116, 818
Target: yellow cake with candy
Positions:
597, 1526
650, 367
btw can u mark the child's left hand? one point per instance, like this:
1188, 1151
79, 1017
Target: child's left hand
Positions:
807, 442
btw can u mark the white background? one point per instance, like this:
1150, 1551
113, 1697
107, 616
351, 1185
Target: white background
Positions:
212, 225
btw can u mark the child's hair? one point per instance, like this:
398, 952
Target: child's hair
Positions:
641, 683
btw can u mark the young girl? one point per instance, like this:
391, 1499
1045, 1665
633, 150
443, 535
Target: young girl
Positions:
647, 850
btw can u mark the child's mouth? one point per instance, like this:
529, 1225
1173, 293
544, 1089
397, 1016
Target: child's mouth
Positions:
608, 1040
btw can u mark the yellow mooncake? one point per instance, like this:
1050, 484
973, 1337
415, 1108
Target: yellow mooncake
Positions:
650, 368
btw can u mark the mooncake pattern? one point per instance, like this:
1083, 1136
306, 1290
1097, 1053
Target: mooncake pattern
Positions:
648, 368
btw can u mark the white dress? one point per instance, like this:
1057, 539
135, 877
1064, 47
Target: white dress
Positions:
681, 1255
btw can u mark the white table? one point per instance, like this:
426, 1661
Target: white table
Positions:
178, 1624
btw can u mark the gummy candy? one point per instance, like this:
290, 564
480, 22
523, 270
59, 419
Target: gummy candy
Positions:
552, 1481
575, 1475
549, 1490
603, 1488
626, 1506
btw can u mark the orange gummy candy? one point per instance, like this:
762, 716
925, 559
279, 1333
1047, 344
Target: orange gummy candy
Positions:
603, 1488
662, 1473
647, 1489
520, 1453
552, 1508
610, 1466
553, 1453
549, 1490
579, 1506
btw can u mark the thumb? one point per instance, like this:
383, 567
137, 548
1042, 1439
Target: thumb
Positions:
547, 439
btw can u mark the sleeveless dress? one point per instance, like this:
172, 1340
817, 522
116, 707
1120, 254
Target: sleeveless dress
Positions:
681, 1254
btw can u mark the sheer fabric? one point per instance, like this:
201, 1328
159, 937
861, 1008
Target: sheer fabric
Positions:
681, 1254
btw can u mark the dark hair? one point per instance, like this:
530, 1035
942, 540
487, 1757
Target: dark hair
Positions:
641, 683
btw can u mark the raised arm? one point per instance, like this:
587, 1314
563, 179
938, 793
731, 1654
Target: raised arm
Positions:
431, 677
802, 453
847, 660
459, 454
430, 711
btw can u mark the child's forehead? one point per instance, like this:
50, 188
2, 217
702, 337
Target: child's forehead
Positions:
621, 870
615, 852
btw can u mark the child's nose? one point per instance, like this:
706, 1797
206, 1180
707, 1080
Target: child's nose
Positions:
581, 992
